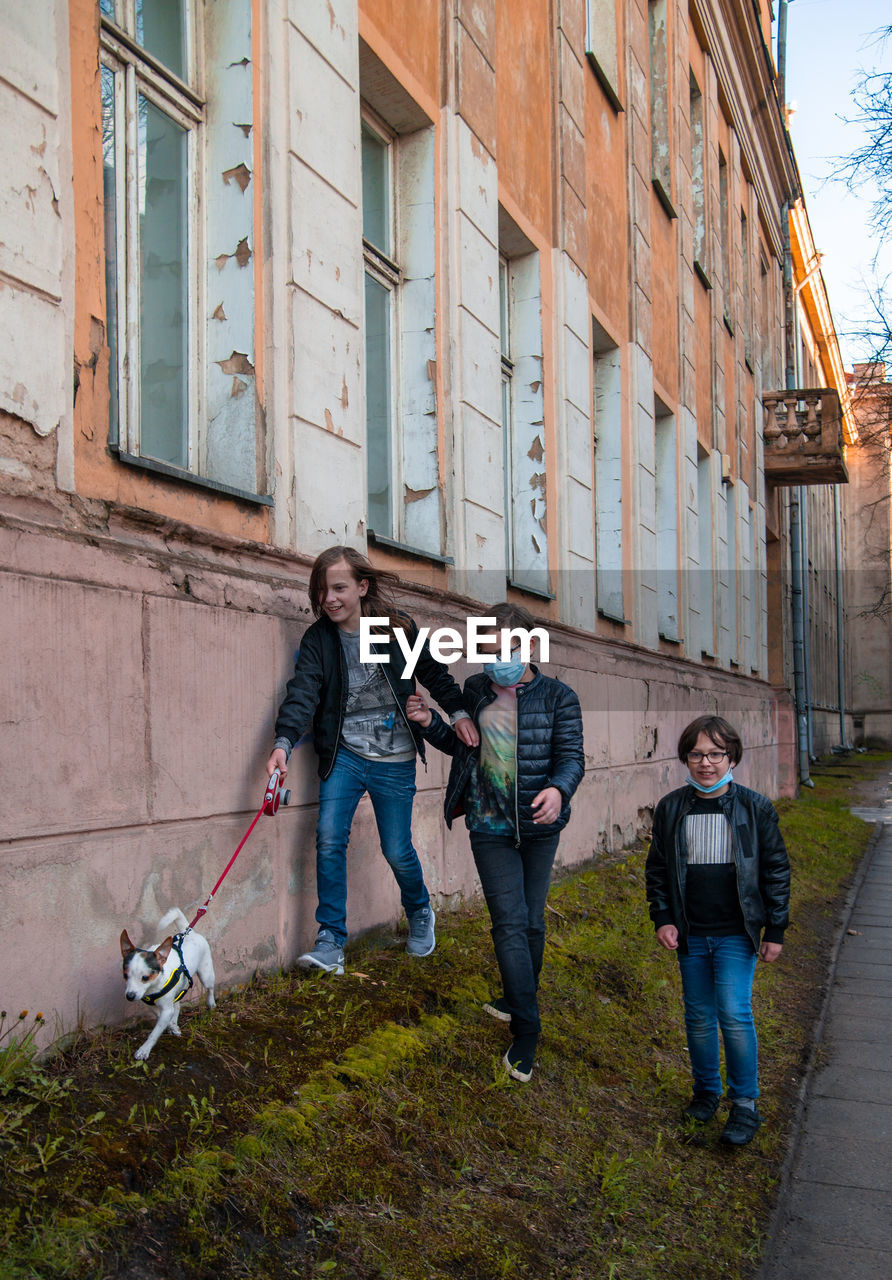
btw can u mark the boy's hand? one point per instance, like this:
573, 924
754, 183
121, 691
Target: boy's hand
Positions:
418, 710
547, 806
769, 951
667, 936
277, 761
466, 730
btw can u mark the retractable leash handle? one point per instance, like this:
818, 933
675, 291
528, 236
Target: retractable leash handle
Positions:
276, 794
273, 797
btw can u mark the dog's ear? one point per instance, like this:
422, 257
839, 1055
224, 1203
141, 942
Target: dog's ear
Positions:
162, 951
126, 945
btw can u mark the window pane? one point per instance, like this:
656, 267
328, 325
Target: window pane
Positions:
161, 30
504, 314
109, 195
163, 308
377, 395
376, 191
107, 8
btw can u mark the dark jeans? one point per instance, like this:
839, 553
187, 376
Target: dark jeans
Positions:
515, 885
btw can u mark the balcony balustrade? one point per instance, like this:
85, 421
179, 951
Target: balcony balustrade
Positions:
803, 437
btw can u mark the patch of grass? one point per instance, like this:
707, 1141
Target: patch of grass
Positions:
362, 1127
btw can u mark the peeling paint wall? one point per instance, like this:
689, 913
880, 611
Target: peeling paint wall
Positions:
230, 440
36, 221
324, 335
420, 474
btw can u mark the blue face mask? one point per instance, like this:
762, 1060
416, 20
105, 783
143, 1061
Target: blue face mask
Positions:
505, 673
716, 786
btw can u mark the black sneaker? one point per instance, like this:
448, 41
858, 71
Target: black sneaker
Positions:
702, 1107
519, 1059
742, 1126
498, 1009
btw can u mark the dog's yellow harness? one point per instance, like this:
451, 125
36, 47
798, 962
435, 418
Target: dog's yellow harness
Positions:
176, 977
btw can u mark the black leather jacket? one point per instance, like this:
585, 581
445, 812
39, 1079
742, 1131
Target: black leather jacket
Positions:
318, 689
549, 748
760, 856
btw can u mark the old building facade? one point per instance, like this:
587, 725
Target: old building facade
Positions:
491, 288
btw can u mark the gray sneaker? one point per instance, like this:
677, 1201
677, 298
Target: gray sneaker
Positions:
327, 954
422, 939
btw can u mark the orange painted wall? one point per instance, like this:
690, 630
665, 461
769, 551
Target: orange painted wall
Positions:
525, 116
665, 286
607, 203
411, 29
98, 474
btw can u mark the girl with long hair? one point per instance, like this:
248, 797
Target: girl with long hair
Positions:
364, 740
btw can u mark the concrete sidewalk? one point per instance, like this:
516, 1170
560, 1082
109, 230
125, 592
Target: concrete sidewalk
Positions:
834, 1220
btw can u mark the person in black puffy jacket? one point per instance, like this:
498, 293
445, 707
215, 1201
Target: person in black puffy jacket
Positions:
718, 889
514, 791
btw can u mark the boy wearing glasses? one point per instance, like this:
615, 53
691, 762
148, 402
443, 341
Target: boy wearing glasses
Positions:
718, 889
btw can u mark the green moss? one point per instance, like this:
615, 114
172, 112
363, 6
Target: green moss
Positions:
364, 1127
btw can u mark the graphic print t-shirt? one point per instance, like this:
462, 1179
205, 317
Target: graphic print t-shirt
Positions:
490, 793
712, 904
373, 726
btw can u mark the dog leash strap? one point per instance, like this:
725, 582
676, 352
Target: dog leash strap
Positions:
203, 910
270, 805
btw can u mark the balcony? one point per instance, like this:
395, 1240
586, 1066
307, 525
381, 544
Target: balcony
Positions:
803, 437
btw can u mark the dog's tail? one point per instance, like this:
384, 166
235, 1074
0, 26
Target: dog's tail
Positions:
174, 916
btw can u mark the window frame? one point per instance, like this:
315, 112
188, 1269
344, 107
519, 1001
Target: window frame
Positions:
507, 384
138, 73
381, 265
605, 75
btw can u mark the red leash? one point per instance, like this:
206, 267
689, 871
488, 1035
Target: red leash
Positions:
273, 797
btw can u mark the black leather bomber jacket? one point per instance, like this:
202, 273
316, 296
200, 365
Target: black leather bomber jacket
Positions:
549, 747
318, 689
760, 856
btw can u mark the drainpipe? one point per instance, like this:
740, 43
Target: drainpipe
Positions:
844, 744
806, 625
796, 563
796, 569
782, 56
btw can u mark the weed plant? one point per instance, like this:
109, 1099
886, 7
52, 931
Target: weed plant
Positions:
362, 1127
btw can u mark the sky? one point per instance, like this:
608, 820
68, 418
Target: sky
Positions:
827, 42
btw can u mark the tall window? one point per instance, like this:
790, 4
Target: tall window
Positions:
399, 232
660, 149
601, 46
747, 290
382, 280
752, 593
178, 177
666, 522
523, 415
607, 429
765, 325
698, 180
725, 234
706, 577
733, 577
152, 119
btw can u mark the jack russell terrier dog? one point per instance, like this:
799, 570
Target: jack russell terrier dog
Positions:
162, 975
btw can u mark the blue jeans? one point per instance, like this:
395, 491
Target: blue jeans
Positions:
515, 885
391, 788
717, 983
